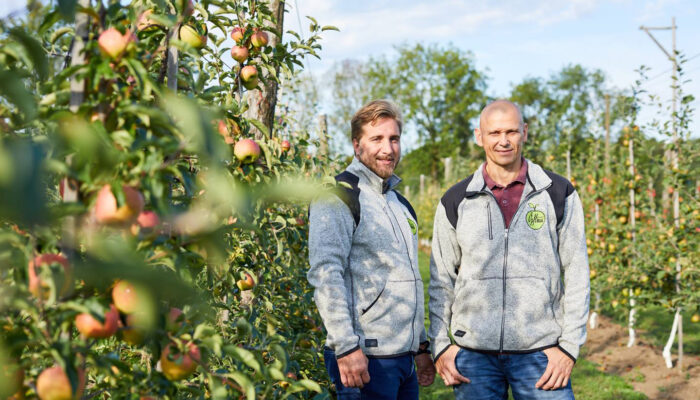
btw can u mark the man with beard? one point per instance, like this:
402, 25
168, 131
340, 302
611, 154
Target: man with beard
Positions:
363, 252
508, 273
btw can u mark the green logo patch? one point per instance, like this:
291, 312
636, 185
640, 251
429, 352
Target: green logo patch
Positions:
535, 219
414, 227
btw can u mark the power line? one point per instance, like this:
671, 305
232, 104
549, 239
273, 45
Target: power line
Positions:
659, 75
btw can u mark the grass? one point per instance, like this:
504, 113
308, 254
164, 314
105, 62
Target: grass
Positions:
588, 382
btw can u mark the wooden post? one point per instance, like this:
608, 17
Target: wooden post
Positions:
77, 96
607, 135
323, 135
448, 169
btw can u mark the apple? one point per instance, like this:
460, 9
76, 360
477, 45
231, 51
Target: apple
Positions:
249, 76
148, 220
126, 297
248, 73
132, 333
174, 320
237, 34
13, 377
144, 21
239, 53
178, 365
246, 283
223, 131
106, 210
53, 384
286, 145
246, 151
112, 43
90, 327
185, 7
189, 35
39, 288
259, 38
695, 318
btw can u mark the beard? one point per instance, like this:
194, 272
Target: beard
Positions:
372, 162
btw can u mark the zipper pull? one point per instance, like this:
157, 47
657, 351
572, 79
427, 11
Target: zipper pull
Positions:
505, 234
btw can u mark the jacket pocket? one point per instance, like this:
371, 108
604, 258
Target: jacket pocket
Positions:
391, 316
529, 320
364, 310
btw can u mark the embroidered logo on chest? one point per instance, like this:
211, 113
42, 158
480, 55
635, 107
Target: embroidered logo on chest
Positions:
414, 227
535, 219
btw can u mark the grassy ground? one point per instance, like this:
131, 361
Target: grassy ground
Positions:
589, 383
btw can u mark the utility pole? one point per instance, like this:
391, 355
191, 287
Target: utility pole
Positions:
672, 56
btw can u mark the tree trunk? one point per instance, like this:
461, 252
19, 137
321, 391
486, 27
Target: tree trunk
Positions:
262, 102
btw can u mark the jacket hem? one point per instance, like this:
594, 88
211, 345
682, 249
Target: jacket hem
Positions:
485, 351
341, 355
441, 352
567, 353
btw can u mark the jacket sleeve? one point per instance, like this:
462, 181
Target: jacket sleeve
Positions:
574, 263
444, 260
330, 238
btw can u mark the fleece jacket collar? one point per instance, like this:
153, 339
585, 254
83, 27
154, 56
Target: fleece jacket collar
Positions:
374, 181
536, 177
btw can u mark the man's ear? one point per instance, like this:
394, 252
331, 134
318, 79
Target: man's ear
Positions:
355, 145
524, 132
477, 137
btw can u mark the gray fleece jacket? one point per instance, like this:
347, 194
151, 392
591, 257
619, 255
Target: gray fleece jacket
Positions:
368, 289
518, 289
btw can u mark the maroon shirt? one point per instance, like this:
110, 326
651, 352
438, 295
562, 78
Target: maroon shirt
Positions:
508, 197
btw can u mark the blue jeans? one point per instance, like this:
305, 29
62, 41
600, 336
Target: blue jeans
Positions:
389, 379
491, 374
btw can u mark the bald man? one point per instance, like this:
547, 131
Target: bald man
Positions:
509, 283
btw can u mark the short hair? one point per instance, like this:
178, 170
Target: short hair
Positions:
371, 112
503, 105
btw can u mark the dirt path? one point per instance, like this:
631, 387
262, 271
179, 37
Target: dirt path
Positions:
642, 365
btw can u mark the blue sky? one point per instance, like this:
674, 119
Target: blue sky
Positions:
511, 39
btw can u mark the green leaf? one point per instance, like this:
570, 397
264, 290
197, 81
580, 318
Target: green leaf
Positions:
308, 385
246, 357
67, 9
260, 126
330, 28
12, 88
34, 49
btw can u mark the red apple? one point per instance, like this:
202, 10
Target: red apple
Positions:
239, 53
53, 384
174, 320
90, 327
177, 365
246, 151
148, 220
237, 34
106, 210
39, 288
144, 21
185, 7
259, 38
246, 283
249, 76
126, 297
223, 131
112, 43
189, 35
286, 145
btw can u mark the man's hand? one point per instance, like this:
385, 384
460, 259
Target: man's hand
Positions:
446, 367
353, 369
559, 367
426, 369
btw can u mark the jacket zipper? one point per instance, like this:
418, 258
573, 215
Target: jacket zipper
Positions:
413, 272
505, 255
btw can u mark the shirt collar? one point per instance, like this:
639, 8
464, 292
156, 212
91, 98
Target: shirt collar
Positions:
522, 176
